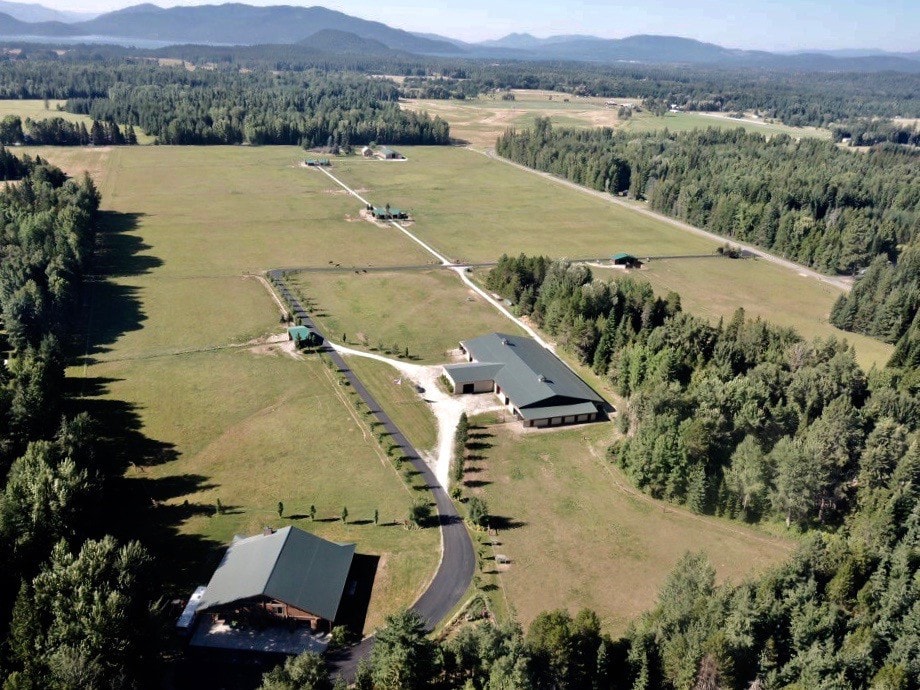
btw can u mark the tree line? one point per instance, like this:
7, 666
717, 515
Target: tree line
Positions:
75, 602
740, 418
308, 109
794, 97
56, 131
806, 200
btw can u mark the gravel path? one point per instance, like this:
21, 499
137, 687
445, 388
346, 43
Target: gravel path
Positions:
840, 282
446, 408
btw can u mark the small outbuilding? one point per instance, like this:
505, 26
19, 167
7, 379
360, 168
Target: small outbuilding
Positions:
626, 260
318, 163
303, 336
367, 152
389, 154
389, 213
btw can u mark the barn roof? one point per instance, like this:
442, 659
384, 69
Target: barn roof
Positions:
528, 373
289, 565
622, 255
471, 372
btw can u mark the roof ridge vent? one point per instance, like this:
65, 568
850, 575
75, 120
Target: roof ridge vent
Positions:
504, 341
541, 378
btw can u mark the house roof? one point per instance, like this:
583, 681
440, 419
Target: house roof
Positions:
300, 332
382, 211
471, 372
622, 255
290, 565
528, 373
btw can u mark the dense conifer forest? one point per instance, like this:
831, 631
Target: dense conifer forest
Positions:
807, 200
75, 602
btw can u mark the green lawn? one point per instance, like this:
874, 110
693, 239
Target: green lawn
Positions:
684, 122
715, 288
578, 535
35, 110
399, 400
523, 212
209, 417
429, 312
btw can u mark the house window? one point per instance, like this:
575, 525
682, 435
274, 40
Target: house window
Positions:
278, 610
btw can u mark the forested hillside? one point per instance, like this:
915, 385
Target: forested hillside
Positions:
309, 109
75, 603
806, 200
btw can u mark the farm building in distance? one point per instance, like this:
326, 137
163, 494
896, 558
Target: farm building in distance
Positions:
318, 162
535, 385
304, 337
288, 576
389, 154
626, 260
388, 213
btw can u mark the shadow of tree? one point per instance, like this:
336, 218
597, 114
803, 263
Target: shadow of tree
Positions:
111, 309
501, 522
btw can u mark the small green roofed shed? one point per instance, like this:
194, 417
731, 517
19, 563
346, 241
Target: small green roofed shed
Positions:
304, 336
624, 259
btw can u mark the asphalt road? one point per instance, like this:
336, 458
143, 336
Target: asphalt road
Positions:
458, 561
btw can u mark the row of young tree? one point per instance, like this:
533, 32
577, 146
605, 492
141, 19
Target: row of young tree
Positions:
56, 131
308, 109
75, 603
806, 200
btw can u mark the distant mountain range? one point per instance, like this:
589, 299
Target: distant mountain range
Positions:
330, 31
29, 12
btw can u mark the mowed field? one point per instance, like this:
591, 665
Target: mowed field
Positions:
35, 110
479, 121
429, 312
578, 535
175, 353
473, 208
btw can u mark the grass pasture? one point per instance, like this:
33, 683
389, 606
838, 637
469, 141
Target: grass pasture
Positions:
578, 535
34, 109
524, 212
479, 121
399, 400
175, 361
427, 311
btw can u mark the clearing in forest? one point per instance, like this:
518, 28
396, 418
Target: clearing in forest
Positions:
577, 534
206, 417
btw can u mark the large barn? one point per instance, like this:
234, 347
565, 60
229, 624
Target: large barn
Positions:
288, 575
535, 385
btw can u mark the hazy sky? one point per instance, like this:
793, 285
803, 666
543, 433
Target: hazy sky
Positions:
764, 24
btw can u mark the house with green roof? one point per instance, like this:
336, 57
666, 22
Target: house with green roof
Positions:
284, 576
532, 382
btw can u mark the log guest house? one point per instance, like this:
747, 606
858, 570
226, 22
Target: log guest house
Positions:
280, 577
